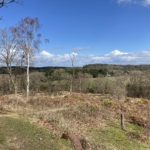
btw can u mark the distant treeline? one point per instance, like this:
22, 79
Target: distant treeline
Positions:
94, 70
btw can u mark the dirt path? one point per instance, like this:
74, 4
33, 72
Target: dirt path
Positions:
16, 114
52, 110
10, 114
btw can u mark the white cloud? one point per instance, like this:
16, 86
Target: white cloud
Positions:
117, 53
124, 1
147, 2
46, 54
45, 58
114, 57
140, 2
74, 54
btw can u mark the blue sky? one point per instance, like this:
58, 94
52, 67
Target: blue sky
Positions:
103, 31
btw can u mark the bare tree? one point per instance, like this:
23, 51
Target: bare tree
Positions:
73, 58
9, 53
29, 42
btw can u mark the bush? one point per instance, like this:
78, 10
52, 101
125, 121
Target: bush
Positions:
139, 86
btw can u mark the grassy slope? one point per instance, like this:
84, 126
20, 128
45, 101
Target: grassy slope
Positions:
113, 138
18, 134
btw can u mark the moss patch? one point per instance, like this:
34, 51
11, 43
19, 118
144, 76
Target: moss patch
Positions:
113, 138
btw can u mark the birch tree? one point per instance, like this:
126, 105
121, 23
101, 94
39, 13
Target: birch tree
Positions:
29, 41
9, 54
73, 58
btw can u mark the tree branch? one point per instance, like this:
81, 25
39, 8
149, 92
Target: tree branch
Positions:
5, 2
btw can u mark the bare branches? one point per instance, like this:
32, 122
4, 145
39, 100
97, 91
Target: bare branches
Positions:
5, 2
29, 41
8, 47
73, 58
9, 54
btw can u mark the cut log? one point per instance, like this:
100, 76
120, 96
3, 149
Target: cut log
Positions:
75, 140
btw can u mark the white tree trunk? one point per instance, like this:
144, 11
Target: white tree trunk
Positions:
72, 78
80, 86
16, 90
71, 83
28, 77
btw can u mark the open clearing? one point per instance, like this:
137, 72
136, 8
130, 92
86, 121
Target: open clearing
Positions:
40, 122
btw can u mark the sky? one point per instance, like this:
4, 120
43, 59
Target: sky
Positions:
95, 31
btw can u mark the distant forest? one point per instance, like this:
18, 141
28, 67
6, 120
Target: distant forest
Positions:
94, 69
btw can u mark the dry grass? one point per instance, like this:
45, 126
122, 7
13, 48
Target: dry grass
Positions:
79, 113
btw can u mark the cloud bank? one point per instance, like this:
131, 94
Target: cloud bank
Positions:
45, 58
